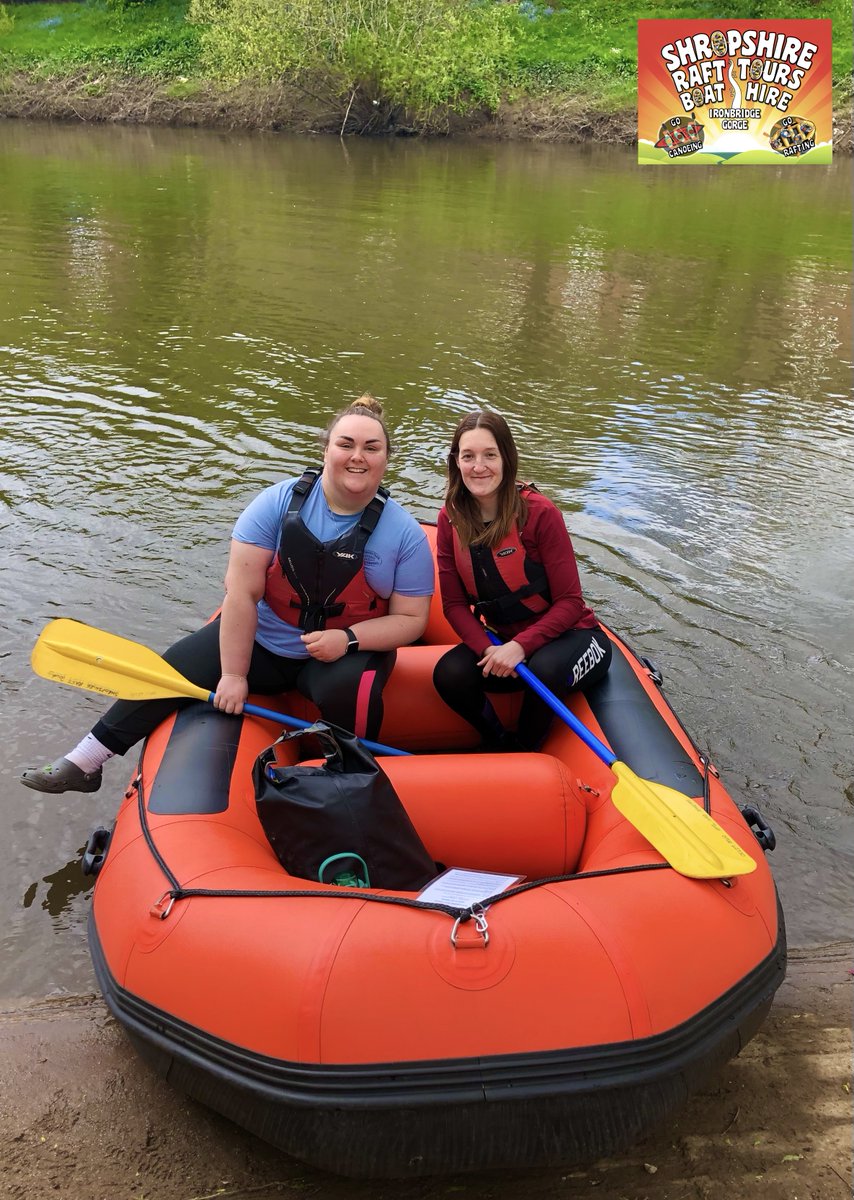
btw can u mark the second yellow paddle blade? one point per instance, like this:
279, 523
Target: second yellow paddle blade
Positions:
84, 657
692, 842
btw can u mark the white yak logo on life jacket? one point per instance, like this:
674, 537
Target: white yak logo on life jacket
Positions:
503, 584
322, 585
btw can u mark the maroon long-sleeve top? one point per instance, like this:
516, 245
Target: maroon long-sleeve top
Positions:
545, 539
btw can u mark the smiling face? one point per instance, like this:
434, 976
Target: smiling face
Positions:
354, 463
481, 468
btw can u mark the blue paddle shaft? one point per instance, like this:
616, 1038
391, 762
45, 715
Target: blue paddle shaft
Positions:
557, 706
255, 711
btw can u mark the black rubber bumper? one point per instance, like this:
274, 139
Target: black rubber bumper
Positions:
397, 1120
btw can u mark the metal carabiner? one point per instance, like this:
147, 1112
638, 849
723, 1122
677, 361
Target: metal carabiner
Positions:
158, 910
480, 923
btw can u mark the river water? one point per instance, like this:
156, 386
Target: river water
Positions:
183, 311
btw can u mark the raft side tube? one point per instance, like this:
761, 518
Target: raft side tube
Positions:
392, 1120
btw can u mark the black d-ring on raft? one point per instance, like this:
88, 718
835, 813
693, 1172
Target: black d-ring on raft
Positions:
760, 828
94, 855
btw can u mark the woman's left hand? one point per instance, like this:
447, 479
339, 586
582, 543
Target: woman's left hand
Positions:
326, 645
501, 661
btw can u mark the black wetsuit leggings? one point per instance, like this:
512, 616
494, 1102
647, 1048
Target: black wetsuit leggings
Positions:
576, 659
348, 692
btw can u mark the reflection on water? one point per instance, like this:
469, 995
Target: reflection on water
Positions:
184, 311
63, 886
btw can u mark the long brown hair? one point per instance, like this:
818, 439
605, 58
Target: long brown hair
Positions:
366, 406
462, 508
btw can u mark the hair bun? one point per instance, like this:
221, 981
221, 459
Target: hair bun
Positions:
366, 400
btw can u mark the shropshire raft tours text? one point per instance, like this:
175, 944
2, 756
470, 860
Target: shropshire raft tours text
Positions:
744, 92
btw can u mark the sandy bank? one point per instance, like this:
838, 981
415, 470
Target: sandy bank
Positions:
82, 1117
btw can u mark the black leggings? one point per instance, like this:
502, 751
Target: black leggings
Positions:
576, 659
348, 692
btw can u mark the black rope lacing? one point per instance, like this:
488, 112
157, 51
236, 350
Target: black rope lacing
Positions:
176, 891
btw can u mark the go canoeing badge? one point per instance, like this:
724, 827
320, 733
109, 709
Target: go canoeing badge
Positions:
734, 92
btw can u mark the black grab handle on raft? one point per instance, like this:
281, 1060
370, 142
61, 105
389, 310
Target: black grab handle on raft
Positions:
761, 830
655, 673
96, 850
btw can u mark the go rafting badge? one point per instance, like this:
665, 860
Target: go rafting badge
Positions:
742, 92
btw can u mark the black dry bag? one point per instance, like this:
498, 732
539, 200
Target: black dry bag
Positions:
345, 810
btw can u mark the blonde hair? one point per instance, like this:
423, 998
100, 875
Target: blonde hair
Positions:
366, 406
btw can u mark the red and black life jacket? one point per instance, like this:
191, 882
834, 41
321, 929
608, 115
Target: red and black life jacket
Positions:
322, 585
503, 584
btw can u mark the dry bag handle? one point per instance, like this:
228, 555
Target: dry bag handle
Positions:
328, 744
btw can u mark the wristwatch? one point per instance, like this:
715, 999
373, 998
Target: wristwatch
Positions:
352, 642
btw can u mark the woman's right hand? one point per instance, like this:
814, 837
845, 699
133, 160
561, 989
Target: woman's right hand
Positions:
231, 693
501, 661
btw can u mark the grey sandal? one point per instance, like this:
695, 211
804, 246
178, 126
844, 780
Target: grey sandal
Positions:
61, 776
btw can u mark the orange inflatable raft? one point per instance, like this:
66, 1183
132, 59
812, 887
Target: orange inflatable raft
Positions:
374, 1037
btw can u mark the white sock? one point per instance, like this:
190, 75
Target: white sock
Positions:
90, 754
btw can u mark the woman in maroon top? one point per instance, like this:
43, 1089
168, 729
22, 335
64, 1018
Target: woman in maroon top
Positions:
504, 551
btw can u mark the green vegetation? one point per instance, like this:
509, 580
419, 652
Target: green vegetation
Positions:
153, 38
413, 53
412, 56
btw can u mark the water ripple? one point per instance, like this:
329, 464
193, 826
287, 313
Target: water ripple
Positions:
174, 340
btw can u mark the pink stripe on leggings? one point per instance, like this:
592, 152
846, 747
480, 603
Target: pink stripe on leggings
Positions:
363, 702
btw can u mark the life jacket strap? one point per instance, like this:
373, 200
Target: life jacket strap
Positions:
502, 606
312, 617
370, 515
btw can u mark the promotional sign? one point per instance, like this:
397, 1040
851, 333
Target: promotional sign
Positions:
745, 92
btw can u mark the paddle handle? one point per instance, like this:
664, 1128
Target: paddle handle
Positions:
282, 719
557, 706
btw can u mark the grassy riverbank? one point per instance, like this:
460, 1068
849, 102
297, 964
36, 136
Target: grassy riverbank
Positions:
560, 69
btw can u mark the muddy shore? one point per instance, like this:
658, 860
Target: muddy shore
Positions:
115, 99
83, 1118
133, 100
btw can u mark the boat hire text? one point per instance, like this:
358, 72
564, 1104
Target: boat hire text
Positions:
702, 61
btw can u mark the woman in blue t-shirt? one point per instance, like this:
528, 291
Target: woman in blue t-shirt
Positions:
327, 576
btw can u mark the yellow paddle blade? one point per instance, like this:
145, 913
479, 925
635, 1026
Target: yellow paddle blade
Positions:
84, 657
692, 842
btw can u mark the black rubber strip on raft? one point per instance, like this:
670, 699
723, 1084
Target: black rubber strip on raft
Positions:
194, 775
637, 732
394, 1120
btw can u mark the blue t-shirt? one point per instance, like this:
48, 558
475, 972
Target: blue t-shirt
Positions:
397, 554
